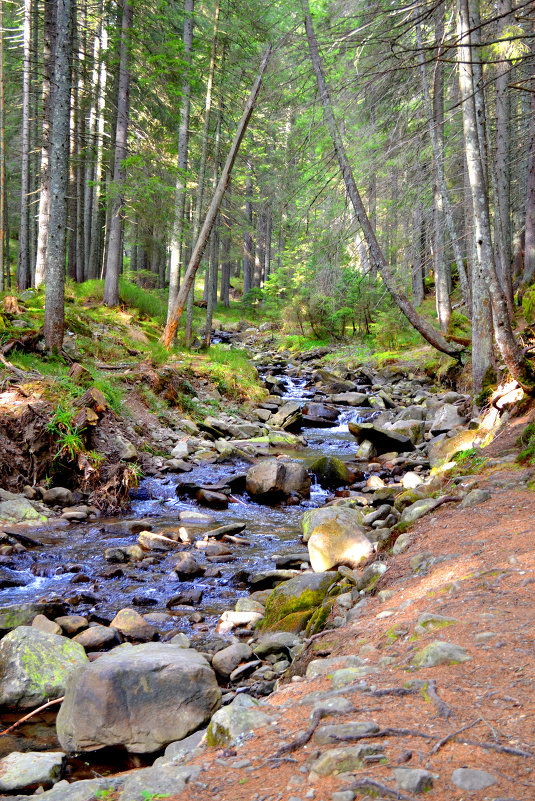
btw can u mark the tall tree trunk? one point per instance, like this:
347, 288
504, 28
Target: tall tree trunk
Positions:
429, 333
529, 248
471, 88
2, 151
182, 160
502, 214
23, 272
59, 163
196, 256
213, 263
114, 253
224, 295
97, 217
202, 164
248, 263
417, 271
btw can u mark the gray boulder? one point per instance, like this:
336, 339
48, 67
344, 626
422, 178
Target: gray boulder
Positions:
383, 441
228, 659
240, 717
289, 416
20, 510
446, 419
142, 697
14, 615
159, 781
58, 495
35, 666
332, 544
27, 771
273, 479
343, 515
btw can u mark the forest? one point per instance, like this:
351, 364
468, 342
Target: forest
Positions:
389, 157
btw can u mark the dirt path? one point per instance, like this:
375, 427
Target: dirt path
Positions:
477, 567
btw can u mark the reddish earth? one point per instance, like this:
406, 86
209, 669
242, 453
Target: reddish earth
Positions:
485, 579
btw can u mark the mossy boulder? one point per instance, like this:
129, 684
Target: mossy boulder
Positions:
440, 653
291, 605
330, 472
20, 510
35, 666
238, 718
410, 496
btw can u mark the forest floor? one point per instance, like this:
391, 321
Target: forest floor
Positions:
477, 568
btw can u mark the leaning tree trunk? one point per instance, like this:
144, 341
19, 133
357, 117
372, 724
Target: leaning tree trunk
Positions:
59, 173
428, 331
182, 160
510, 350
114, 253
213, 209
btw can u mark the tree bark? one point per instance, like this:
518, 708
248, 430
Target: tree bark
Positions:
23, 272
224, 295
182, 160
429, 333
2, 150
59, 163
114, 253
248, 236
198, 250
529, 248
502, 215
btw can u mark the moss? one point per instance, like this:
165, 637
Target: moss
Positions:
488, 385
319, 618
284, 609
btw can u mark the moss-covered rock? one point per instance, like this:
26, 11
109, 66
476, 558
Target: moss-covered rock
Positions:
331, 472
291, 605
332, 544
240, 717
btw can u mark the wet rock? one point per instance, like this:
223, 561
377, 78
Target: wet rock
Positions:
289, 416
14, 615
242, 716
331, 472
133, 626
319, 415
20, 510
383, 441
440, 653
195, 518
96, 638
273, 479
11, 578
150, 541
292, 604
187, 566
115, 555
343, 760
27, 771
42, 623
332, 544
350, 398
230, 528
59, 496
413, 780
474, 497
472, 780
72, 624
228, 659
141, 697
343, 515
215, 500
270, 578
35, 666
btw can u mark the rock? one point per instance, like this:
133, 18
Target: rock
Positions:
403, 542
132, 625
72, 624
292, 604
58, 496
126, 451
274, 643
177, 751
343, 515
472, 780
115, 555
414, 429
370, 576
366, 451
142, 697
383, 441
474, 497
11, 578
440, 653
230, 620
42, 623
318, 415
180, 451
228, 659
411, 480
336, 732
330, 472
215, 500
418, 509
289, 417
195, 518
20, 511
187, 566
350, 399
413, 780
96, 638
321, 667
180, 639
158, 782
446, 419
343, 760
35, 666
15, 615
150, 541
429, 621
27, 771
273, 479
240, 717
249, 605
332, 544
85, 790
270, 578
442, 451
134, 553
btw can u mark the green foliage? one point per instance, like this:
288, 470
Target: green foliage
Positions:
528, 305
469, 461
148, 302
526, 441
69, 442
391, 329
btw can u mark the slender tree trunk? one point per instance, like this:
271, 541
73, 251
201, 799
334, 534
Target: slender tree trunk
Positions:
198, 250
59, 164
97, 217
502, 215
2, 150
23, 272
248, 237
510, 350
417, 271
429, 333
7, 240
202, 165
225, 256
114, 254
182, 161
529, 248
213, 263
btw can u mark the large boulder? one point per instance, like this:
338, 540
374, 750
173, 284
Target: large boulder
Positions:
274, 479
350, 399
25, 772
345, 516
291, 605
332, 544
330, 472
446, 419
14, 615
20, 510
319, 415
383, 441
441, 451
141, 697
35, 666
288, 417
